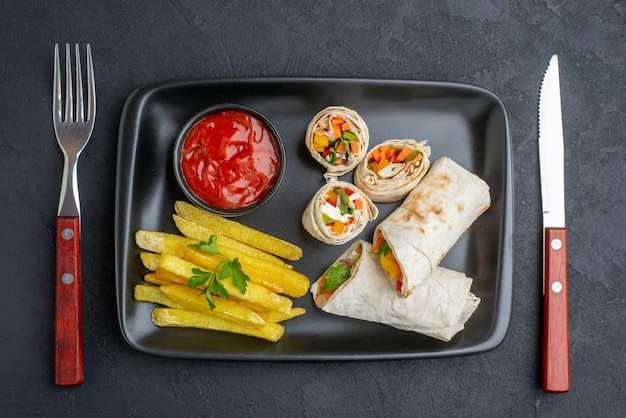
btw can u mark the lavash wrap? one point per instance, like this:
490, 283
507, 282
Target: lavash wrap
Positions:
422, 230
321, 124
388, 186
438, 307
314, 224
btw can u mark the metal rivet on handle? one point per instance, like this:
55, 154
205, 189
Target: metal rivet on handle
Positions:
67, 233
556, 244
557, 287
67, 278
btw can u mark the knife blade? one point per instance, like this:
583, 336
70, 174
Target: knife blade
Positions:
555, 370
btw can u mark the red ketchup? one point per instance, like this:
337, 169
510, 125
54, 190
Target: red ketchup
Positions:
230, 160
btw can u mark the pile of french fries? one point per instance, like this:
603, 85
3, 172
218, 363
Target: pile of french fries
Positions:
170, 260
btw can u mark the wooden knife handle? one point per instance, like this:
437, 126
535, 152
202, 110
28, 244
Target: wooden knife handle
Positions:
68, 331
555, 326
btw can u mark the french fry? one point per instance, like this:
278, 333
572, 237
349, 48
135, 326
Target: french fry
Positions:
153, 279
210, 261
275, 316
267, 274
238, 231
153, 294
161, 242
168, 317
150, 260
255, 294
167, 277
198, 232
258, 296
291, 282
172, 258
182, 297
191, 299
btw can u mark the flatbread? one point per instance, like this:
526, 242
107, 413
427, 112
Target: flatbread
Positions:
313, 216
396, 180
321, 124
438, 307
422, 230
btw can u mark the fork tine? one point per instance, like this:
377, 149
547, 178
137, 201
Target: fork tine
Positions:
91, 87
80, 111
69, 107
56, 88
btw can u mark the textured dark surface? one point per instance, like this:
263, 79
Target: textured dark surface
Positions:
499, 45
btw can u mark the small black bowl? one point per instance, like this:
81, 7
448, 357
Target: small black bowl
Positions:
194, 197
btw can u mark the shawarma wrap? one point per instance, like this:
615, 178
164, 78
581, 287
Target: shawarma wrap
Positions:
416, 236
338, 212
337, 137
357, 287
392, 169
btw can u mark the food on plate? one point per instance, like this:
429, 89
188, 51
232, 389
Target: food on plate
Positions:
338, 212
153, 294
210, 261
275, 277
337, 137
229, 309
198, 232
182, 318
272, 276
180, 296
153, 279
254, 294
416, 236
205, 284
275, 316
238, 231
161, 242
356, 286
150, 260
392, 169
230, 159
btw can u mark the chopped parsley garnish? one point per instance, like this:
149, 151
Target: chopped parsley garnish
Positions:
226, 268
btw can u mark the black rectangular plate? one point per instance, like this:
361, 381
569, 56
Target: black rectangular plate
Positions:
466, 123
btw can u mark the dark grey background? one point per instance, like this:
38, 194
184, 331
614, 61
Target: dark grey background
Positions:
503, 46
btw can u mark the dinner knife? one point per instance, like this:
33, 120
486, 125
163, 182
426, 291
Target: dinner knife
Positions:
555, 370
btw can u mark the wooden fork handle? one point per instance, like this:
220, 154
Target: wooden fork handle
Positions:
68, 331
556, 376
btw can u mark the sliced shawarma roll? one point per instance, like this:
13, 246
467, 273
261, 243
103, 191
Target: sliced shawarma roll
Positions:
338, 212
417, 235
392, 169
356, 286
337, 137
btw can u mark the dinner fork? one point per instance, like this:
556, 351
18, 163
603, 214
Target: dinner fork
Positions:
73, 128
